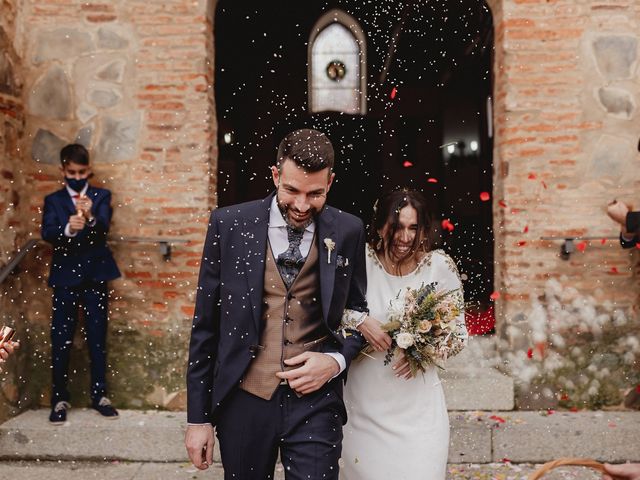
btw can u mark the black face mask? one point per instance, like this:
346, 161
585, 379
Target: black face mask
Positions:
76, 184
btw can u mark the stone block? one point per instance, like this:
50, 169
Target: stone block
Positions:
111, 40
104, 96
532, 437
615, 55
112, 71
119, 137
617, 101
85, 112
87, 436
9, 81
470, 440
61, 44
50, 96
84, 136
46, 147
611, 158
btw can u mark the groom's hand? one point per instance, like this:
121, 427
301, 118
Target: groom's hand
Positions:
316, 370
199, 441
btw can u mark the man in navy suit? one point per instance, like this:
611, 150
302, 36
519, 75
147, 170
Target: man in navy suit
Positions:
75, 222
269, 350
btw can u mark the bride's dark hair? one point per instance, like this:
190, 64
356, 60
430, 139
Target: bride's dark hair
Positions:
387, 211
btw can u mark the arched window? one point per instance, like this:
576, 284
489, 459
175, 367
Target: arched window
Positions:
337, 65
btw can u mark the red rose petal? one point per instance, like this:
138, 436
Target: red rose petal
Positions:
407, 164
394, 92
550, 411
447, 225
530, 353
432, 180
522, 243
544, 184
614, 270
564, 397
484, 196
582, 246
502, 203
526, 229
497, 418
532, 176
495, 295
506, 460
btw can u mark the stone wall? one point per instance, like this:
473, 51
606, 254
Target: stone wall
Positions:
13, 230
567, 129
132, 82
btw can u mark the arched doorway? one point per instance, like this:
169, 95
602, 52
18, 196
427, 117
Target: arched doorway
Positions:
426, 125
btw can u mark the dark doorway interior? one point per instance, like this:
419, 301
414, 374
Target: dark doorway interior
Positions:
433, 94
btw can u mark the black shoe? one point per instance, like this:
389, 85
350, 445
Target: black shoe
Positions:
59, 413
104, 408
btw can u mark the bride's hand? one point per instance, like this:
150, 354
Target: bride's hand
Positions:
373, 333
401, 367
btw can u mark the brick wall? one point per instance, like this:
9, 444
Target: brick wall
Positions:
13, 231
566, 87
133, 82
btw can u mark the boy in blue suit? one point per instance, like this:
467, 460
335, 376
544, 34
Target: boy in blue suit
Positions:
75, 222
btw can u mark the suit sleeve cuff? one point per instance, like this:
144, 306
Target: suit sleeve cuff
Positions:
67, 231
338, 357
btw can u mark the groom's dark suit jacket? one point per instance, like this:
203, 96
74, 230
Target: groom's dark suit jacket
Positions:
227, 322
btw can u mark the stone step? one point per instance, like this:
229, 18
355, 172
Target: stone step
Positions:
471, 381
32, 470
470, 388
476, 437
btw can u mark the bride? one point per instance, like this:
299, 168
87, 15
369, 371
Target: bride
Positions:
398, 426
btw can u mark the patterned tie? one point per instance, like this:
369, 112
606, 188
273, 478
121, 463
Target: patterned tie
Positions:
290, 261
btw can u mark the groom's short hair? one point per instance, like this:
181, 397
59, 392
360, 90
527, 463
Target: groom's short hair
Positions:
309, 149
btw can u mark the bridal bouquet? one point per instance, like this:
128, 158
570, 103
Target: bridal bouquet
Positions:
424, 323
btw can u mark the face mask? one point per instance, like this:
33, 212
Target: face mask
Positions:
76, 184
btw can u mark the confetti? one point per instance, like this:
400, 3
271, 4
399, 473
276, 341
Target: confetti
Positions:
532, 176
582, 246
394, 92
484, 196
447, 225
407, 164
432, 180
495, 295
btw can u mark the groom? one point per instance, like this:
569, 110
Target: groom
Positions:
267, 358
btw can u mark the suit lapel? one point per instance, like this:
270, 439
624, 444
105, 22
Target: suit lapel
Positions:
255, 246
67, 201
327, 233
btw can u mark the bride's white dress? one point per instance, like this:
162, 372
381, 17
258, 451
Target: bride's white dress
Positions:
396, 429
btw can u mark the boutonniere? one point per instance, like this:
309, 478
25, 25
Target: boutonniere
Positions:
331, 245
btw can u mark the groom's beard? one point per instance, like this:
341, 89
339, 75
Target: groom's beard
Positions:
288, 213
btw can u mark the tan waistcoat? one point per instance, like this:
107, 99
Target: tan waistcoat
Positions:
292, 323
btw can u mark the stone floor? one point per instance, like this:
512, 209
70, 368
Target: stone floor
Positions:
33, 470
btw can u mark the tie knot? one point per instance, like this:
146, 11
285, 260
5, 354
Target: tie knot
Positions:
294, 235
